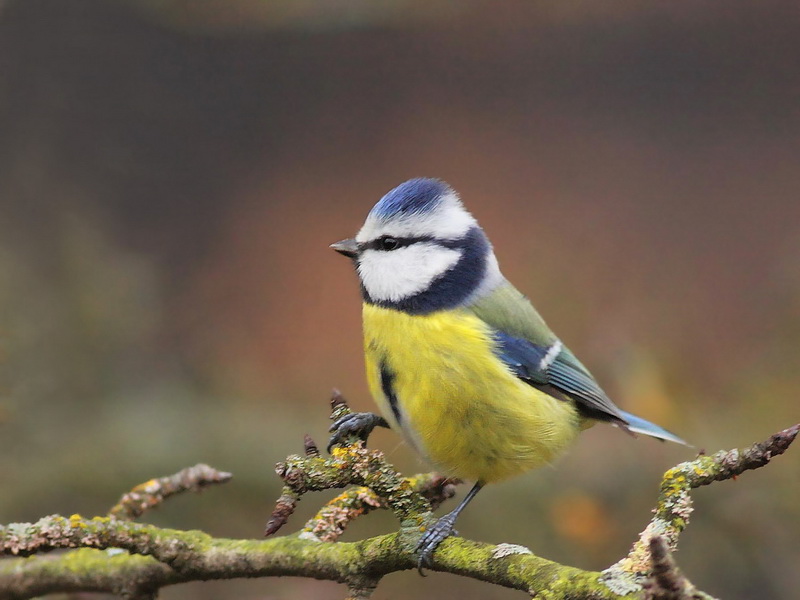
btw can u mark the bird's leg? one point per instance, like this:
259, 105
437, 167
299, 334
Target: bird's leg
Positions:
441, 530
358, 424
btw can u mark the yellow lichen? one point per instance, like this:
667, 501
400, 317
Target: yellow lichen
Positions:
143, 487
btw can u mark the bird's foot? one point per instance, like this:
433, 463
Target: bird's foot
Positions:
359, 424
442, 529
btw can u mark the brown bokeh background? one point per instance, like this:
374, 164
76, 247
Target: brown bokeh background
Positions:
172, 172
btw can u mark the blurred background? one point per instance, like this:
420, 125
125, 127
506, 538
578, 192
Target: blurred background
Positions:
172, 172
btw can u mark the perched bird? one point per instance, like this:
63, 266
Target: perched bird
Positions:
457, 359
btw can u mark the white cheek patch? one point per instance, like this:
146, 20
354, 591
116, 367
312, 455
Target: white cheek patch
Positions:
448, 221
397, 274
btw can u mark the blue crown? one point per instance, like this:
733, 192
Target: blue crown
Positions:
415, 196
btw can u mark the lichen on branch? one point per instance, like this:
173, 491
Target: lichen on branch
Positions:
150, 494
134, 560
674, 504
379, 485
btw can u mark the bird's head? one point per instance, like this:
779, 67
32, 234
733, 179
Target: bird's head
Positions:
419, 250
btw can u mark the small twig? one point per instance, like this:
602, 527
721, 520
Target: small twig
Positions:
332, 519
381, 486
349, 465
284, 508
310, 447
288, 500
150, 494
337, 400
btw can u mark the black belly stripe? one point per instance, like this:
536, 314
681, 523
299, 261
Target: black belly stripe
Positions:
387, 380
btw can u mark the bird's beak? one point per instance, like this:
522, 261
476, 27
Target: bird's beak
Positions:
348, 248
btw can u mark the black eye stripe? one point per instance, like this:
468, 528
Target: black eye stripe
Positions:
402, 242
399, 242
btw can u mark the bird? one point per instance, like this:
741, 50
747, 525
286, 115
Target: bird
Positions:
457, 359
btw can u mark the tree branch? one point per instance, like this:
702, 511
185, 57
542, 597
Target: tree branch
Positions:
193, 555
333, 518
674, 505
134, 560
666, 582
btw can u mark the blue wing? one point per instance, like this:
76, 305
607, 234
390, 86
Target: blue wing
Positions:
556, 366
524, 358
532, 352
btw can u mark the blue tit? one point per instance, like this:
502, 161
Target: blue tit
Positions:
457, 359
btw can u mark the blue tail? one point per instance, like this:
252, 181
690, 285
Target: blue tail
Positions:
639, 425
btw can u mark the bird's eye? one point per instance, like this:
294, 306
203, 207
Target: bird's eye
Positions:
389, 243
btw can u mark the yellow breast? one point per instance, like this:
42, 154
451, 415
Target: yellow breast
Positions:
457, 403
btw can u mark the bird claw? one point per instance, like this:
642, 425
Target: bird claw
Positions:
359, 424
430, 540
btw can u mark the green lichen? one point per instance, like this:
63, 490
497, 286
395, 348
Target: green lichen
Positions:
133, 560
